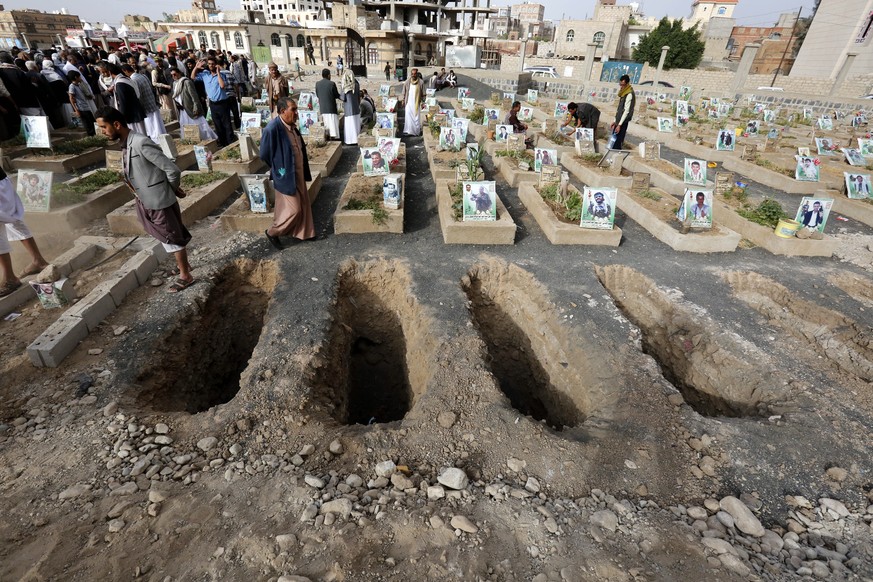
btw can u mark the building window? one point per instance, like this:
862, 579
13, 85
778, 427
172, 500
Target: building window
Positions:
571, 34
238, 40
599, 37
274, 40
418, 48
227, 36
722, 10
372, 54
300, 40
201, 38
214, 36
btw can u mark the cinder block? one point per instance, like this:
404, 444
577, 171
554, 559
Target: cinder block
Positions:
93, 308
142, 264
76, 258
56, 342
18, 297
121, 284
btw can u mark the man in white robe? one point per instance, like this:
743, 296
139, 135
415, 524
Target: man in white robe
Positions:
413, 95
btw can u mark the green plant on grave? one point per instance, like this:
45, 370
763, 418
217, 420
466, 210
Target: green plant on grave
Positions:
592, 157
478, 114
650, 194
198, 179
12, 142
557, 137
74, 147
373, 202
474, 164
66, 194
568, 207
434, 127
518, 155
247, 108
456, 193
768, 213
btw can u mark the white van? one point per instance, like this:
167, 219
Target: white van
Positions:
542, 72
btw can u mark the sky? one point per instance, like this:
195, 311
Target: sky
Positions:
748, 12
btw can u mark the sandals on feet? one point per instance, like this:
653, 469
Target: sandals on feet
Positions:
179, 285
32, 270
8, 288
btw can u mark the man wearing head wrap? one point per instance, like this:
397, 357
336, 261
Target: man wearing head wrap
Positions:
277, 87
413, 95
349, 92
599, 208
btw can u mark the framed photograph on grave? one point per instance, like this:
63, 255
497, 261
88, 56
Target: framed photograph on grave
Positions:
502, 132
256, 190
265, 115
584, 134
306, 101
431, 102
681, 120
598, 208
305, 120
865, 146
249, 121
468, 104
825, 146
533, 96
430, 92
463, 93
814, 212
773, 133
449, 113
384, 90
389, 104
759, 108
859, 120
803, 152
203, 157
561, 109
525, 113
854, 157
389, 147
724, 109
697, 208
449, 139
36, 131
682, 108
373, 162
806, 169
491, 114
858, 185
508, 95
684, 93
769, 116
753, 126
665, 124
543, 156
392, 186
35, 190
386, 120
461, 126
480, 201
472, 151
807, 113
725, 141
825, 123
695, 172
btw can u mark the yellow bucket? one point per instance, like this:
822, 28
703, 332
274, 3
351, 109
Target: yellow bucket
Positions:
787, 228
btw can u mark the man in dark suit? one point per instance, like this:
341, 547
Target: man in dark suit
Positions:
154, 179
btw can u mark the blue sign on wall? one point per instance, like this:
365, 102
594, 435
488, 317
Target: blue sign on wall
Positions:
613, 70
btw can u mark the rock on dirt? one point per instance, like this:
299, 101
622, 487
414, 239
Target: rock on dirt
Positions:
744, 519
454, 478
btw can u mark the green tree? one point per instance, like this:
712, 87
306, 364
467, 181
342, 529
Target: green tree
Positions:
686, 48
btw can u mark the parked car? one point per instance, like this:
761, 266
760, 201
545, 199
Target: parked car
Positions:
868, 96
777, 89
660, 83
542, 72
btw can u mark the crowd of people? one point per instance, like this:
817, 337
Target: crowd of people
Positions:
69, 86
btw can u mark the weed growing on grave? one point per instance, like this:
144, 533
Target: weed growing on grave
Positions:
373, 203
767, 164
567, 208
66, 194
768, 213
247, 108
736, 192
478, 114
591, 157
15, 141
198, 179
75, 147
518, 155
650, 194
434, 127
457, 195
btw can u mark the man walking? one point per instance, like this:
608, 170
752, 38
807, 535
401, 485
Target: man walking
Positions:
284, 151
413, 95
277, 87
218, 88
153, 121
298, 70
624, 112
387, 71
327, 94
11, 215
127, 99
154, 179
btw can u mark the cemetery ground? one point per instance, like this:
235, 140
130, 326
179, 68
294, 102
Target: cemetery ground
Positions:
389, 407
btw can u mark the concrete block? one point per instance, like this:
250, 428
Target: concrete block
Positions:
76, 258
512, 174
120, 285
60, 165
593, 176
562, 233
18, 297
324, 159
56, 342
239, 217
93, 308
142, 264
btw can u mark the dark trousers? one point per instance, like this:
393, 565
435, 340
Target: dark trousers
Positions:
234, 112
387, 75
222, 118
88, 121
619, 138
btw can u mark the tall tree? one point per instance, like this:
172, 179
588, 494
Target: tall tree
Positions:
686, 48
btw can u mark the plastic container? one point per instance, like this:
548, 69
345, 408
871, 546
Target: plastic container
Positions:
787, 228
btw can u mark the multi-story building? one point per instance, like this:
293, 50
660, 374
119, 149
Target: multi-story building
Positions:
30, 28
704, 10
287, 11
608, 30
527, 12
